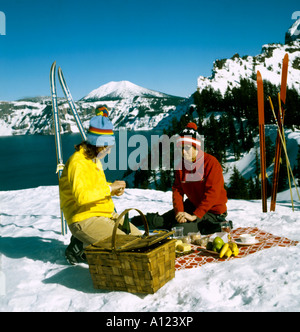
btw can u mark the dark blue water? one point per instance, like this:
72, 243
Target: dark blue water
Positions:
29, 161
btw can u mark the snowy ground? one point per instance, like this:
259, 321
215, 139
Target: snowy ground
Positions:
36, 277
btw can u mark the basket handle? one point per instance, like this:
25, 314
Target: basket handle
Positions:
113, 240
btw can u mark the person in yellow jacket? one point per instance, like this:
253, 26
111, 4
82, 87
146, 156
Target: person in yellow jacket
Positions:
85, 195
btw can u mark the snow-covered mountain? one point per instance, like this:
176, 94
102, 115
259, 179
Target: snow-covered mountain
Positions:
132, 107
121, 90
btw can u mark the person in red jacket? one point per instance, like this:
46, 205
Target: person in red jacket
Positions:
201, 180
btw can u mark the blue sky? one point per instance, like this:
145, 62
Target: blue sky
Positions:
162, 45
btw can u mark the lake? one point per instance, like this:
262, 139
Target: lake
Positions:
29, 161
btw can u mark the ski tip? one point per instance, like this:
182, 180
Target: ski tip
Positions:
53, 65
60, 73
258, 75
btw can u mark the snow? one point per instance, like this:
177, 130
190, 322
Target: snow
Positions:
36, 277
5, 129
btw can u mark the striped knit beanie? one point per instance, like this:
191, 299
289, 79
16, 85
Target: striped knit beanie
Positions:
100, 132
190, 136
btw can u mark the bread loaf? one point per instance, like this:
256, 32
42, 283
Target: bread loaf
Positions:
183, 247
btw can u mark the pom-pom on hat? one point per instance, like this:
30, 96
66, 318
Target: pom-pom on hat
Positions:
100, 132
102, 110
190, 136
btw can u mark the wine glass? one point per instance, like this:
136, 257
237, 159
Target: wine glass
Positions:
226, 227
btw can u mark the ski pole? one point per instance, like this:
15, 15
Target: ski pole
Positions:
287, 168
284, 147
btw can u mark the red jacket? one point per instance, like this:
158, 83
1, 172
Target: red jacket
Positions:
203, 187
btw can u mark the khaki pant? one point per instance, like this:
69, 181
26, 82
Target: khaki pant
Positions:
94, 229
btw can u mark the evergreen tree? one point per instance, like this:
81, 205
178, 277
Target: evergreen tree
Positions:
165, 180
296, 170
249, 142
283, 176
292, 106
237, 188
251, 188
242, 135
214, 142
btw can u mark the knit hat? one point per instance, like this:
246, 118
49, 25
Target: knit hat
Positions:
100, 132
190, 136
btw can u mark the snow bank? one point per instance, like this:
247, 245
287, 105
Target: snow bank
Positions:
37, 277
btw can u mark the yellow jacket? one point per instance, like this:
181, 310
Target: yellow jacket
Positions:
84, 191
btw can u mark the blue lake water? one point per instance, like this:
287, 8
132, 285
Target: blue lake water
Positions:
29, 161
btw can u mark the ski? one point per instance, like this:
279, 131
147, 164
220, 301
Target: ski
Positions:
71, 103
280, 120
58, 144
262, 144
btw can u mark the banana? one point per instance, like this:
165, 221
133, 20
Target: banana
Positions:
234, 248
228, 253
224, 249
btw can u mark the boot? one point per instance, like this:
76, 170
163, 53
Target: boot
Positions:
74, 252
154, 221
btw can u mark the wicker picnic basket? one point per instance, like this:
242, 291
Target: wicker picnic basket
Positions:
135, 264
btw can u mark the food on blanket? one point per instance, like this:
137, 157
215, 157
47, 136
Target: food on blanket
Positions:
224, 250
178, 242
194, 237
209, 245
217, 247
217, 244
186, 239
228, 253
203, 241
183, 247
217, 240
229, 249
234, 248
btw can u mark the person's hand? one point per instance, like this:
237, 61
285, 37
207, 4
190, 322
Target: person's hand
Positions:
183, 217
118, 188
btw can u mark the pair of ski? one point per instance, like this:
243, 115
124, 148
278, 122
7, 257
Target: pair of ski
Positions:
280, 140
58, 142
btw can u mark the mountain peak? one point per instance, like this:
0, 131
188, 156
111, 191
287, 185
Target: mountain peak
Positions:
121, 90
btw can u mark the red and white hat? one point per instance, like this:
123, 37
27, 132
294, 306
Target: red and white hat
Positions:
190, 136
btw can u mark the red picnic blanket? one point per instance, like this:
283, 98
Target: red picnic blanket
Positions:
265, 240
